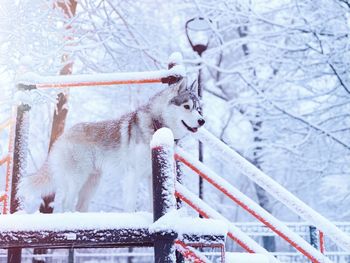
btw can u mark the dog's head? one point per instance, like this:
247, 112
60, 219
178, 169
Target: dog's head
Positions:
183, 112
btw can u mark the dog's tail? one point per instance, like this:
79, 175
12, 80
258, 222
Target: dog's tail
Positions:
40, 183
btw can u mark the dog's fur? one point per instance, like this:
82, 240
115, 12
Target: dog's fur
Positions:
82, 154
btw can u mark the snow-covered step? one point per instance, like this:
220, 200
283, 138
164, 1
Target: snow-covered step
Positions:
102, 229
245, 258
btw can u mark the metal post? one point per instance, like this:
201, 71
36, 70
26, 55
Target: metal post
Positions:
163, 170
71, 255
200, 144
19, 163
198, 25
322, 244
313, 236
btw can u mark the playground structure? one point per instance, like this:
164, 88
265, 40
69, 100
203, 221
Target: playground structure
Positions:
152, 232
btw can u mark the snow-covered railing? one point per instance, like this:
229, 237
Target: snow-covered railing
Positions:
276, 190
254, 209
34, 81
234, 233
163, 176
258, 229
164, 202
176, 71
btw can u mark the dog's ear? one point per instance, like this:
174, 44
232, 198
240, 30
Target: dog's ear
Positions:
180, 86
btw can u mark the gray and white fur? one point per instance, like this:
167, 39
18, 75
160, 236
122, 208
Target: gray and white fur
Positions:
80, 157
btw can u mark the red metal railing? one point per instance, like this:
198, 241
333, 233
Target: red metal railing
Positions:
258, 216
8, 161
190, 253
98, 83
206, 215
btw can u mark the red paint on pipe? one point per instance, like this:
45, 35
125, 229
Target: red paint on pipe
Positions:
247, 208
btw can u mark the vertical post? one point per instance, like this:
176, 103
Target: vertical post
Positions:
71, 255
19, 163
163, 178
322, 246
200, 144
313, 236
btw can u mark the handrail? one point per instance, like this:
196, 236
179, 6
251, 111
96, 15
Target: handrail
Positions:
250, 206
31, 80
276, 190
246, 242
190, 253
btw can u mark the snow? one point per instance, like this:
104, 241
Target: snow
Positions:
176, 58
162, 137
276, 190
245, 258
31, 78
253, 208
73, 221
172, 221
175, 220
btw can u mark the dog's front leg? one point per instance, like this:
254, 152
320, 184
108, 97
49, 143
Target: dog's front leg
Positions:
88, 190
69, 198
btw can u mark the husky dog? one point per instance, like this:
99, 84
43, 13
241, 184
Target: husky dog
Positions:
82, 154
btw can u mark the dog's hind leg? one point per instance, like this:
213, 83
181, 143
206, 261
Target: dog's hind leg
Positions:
87, 191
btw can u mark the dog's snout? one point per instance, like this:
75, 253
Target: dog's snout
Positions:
201, 122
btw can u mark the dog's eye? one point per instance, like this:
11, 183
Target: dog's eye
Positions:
187, 107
